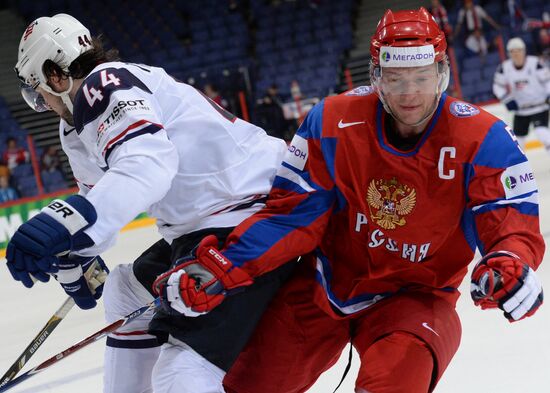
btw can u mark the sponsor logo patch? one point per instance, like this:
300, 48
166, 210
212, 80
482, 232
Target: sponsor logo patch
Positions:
410, 56
463, 109
297, 153
518, 180
510, 182
118, 111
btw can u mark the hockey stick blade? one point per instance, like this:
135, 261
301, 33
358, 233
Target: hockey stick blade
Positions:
43, 334
81, 344
38, 341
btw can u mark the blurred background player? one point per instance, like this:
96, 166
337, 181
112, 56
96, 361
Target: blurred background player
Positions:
359, 195
522, 83
138, 140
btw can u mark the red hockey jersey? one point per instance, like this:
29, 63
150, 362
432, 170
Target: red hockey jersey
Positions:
377, 220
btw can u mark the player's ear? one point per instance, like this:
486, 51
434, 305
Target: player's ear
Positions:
57, 79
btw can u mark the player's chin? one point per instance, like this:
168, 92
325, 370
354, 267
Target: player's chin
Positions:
411, 116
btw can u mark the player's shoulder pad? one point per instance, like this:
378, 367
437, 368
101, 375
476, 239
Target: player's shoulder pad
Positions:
468, 121
312, 127
92, 99
499, 148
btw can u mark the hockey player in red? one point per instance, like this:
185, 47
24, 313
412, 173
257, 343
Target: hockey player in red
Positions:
387, 192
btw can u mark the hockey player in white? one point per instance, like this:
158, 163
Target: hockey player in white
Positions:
522, 83
139, 140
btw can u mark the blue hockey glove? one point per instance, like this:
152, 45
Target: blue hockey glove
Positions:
512, 105
82, 278
56, 230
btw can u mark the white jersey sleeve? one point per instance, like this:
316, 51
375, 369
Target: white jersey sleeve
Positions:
115, 117
165, 148
500, 85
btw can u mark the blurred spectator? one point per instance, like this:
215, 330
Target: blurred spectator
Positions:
14, 155
542, 40
516, 14
50, 159
212, 92
274, 95
473, 16
7, 193
440, 15
270, 114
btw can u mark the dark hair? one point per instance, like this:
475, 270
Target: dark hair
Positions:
85, 63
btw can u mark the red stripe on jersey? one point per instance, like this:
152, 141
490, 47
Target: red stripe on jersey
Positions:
128, 129
500, 232
134, 333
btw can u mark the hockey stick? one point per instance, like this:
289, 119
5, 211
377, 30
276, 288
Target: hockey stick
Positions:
36, 342
43, 334
81, 344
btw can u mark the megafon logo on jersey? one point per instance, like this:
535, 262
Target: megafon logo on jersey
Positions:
518, 180
510, 182
297, 153
463, 109
409, 56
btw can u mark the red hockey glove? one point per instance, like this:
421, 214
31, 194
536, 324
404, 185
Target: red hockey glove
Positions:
201, 281
500, 279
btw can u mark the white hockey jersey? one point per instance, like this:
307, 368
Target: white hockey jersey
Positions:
143, 141
528, 86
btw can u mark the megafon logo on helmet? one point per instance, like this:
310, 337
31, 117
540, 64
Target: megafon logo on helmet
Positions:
409, 56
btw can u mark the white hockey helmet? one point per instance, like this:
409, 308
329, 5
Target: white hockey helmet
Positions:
515, 43
61, 39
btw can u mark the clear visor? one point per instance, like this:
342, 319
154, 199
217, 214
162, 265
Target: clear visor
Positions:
34, 99
411, 94
415, 80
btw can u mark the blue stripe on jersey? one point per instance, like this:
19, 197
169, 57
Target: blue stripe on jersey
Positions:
501, 140
365, 297
312, 127
83, 112
150, 129
328, 147
264, 234
390, 149
133, 344
289, 185
467, 224
527, 208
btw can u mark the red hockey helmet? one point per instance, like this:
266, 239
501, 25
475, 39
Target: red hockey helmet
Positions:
408, 29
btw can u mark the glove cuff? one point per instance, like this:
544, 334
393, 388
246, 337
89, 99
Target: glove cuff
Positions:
75, 214
69, 276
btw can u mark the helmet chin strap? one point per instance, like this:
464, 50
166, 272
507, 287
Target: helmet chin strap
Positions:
64, 94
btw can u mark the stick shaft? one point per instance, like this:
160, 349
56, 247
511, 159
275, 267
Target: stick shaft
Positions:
81, 344
38, 340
